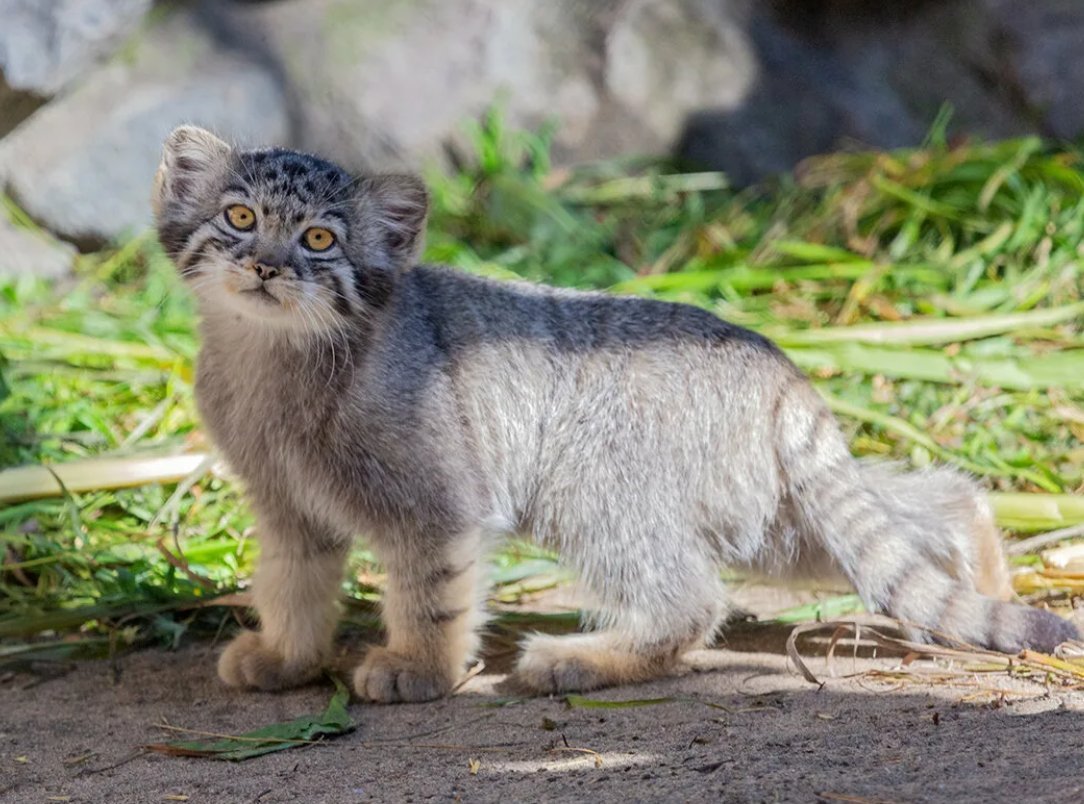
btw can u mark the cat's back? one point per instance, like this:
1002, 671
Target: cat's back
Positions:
548, 381
462, 311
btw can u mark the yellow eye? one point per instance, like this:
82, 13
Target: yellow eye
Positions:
240, 217
318, 238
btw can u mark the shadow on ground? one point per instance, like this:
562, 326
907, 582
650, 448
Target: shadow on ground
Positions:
742, 727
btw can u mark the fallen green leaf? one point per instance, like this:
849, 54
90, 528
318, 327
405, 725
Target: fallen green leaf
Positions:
304, 730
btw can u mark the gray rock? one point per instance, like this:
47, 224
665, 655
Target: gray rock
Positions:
665, 61
82, 166
377, 84
44, 44
841, 74
28, 253
15, 106
1040, 45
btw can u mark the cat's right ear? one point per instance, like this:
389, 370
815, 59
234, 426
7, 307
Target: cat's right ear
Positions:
191, 159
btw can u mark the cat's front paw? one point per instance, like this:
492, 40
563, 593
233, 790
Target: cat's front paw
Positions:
247, 662
387, 677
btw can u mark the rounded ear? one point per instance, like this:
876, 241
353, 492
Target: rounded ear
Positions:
190, 157
394, 208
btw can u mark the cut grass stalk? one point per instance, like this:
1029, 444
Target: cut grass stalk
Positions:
76, 343
642, 188
1034, 512
1036, 543
932, 332
93, 474
1024, 373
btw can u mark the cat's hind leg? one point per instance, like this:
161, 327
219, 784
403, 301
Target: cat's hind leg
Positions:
654, 606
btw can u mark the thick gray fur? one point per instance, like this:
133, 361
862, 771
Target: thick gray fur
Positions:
432, 411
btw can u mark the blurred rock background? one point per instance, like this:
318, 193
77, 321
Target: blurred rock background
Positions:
89, 88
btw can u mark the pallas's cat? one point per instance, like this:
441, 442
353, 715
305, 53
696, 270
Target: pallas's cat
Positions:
357, 392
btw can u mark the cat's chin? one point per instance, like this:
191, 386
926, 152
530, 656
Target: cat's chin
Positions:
255, 311
256, 305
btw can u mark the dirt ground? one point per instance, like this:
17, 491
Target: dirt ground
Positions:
743, 727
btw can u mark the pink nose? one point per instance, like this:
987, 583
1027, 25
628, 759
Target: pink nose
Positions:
265, 271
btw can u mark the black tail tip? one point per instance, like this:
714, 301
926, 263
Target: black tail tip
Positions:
1045, 631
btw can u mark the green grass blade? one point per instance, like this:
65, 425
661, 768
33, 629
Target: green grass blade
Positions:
580, 702
912, 433
822, 610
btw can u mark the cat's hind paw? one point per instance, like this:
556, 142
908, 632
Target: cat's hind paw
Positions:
388, 677
247, 662
580, 662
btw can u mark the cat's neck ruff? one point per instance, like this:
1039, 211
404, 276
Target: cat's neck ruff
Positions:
223, 326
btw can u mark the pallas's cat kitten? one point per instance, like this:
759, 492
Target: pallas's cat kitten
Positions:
355, 391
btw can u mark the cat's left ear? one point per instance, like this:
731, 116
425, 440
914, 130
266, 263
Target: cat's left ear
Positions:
191, 158
393, 208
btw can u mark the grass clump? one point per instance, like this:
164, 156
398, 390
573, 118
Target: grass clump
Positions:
935, 295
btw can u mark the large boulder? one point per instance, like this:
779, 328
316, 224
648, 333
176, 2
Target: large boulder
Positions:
1040, 44
82, 166
665, 61
847, 73
378, 84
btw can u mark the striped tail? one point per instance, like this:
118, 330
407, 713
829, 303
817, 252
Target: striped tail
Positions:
920, 546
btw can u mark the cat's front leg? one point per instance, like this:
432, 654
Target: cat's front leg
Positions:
432, 612
297, 579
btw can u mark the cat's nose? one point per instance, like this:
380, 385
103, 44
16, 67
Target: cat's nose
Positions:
265, 271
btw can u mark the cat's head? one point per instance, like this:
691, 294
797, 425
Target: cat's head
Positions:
282, 237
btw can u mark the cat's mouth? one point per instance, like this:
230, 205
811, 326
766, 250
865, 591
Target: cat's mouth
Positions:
261, 294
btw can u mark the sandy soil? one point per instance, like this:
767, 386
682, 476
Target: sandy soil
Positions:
770, 736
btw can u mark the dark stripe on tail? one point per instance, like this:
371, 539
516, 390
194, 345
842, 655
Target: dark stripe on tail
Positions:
901, 539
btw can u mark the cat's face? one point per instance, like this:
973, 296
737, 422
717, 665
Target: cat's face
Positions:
283, 238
